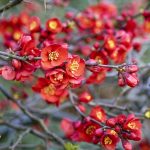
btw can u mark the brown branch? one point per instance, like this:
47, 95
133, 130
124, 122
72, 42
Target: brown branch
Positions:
9, 5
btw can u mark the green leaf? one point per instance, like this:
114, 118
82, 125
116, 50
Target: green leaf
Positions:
70, 146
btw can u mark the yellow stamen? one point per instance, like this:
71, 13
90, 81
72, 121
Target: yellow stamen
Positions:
74, 66
53, 56
52, 25
132, 125
58, 77
33, 25
111, 44
50, 90
99, 115
90, 130
107, 140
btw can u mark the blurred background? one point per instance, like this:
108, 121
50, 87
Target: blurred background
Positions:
44, 10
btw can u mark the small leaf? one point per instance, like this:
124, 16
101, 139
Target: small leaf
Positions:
70, 146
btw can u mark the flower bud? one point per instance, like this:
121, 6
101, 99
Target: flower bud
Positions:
132, 68
111, 122
126, 145
16, 63
131, 80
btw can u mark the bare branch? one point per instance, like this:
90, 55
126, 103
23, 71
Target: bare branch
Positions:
9, 5
33, 117
13, 147
71, 97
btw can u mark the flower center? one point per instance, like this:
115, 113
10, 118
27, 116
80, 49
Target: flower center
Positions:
113, 132
107, 140
88, 97
33, 25
99, 115
90, 130
147, 25
53, 56
132, 125
58, 77
16, 35
98, 24
98, 59
50, 89
111, 44
74, 66
53, 24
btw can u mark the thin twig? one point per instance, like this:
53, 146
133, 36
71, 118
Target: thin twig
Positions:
17, 57
22, 128
71, 97
107, 105
9, 5
21, 136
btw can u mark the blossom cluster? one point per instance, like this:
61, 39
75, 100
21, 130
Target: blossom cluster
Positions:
108, 131
79, 51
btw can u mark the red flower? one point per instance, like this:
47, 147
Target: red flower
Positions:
54, 25
146, 25
119, 54
98, 113
86, 131
126, 145
54, 55
58, 77
49, 92
67, 127
8, 72
75, 66
101, 58
23, 18
85, 97
96, 78
28, 47
110, 43
132, 123
109, 140
84, 21
98, 26
17, 35
34, 24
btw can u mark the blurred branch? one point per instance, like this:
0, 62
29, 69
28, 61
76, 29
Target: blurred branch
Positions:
13, 147
9, 5
144, 66
140, 13
123, 92
88, 64
107, 105
17, 57
33, 117
22, 128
